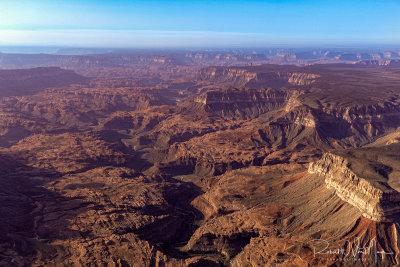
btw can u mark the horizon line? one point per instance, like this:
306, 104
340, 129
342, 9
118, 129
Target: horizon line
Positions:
106, 38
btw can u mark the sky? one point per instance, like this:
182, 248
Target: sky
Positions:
182, 23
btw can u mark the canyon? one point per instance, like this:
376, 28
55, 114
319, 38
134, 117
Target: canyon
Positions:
199, 159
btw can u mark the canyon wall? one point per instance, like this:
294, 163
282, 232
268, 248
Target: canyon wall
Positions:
243, 77
377, 200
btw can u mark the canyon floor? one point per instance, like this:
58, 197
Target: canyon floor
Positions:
158, 162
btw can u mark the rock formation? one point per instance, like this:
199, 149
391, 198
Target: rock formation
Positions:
239, 77
372, 192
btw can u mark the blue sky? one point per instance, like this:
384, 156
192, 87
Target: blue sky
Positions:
150, 23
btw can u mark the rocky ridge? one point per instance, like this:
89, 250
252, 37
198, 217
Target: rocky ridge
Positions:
242, 76
378, 201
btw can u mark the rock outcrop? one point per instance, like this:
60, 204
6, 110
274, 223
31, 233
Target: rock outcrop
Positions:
376, 199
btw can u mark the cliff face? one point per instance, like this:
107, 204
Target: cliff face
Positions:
234, 75
243, 77
377, 200
243, 103
358, 124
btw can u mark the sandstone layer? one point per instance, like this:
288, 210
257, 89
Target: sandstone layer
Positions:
372, 191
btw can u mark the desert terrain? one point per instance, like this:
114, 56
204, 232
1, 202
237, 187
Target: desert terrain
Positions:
200, 158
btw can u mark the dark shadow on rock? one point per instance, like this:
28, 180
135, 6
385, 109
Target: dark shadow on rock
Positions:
175, 229
24, 203
135, 158
205, 263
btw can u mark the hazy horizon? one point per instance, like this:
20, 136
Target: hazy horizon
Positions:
180, 24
